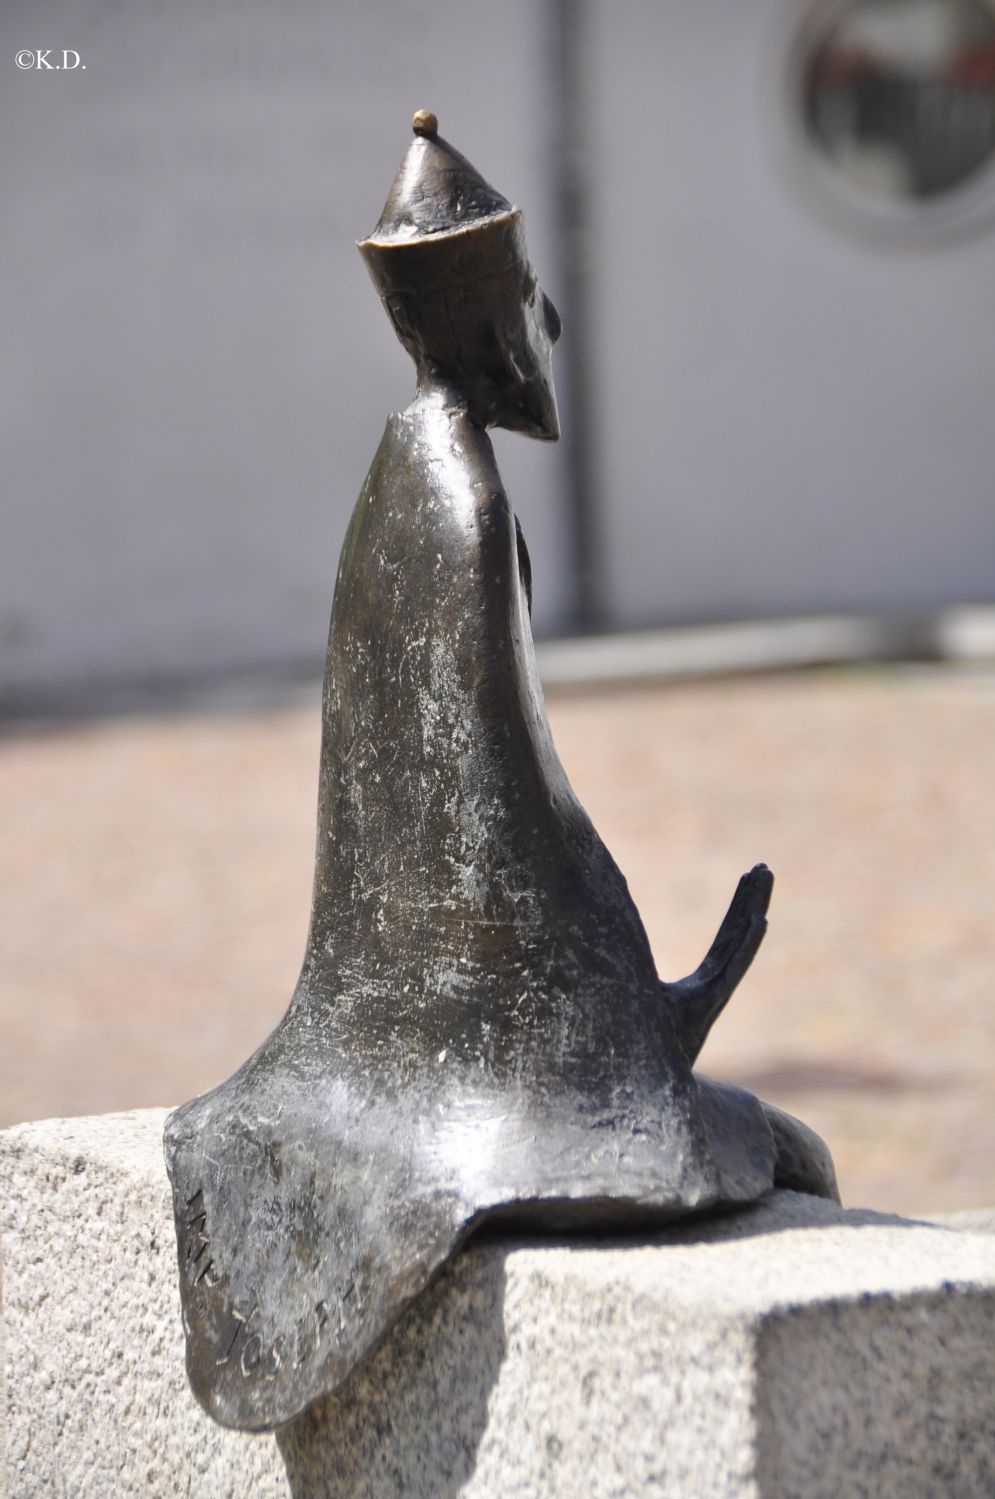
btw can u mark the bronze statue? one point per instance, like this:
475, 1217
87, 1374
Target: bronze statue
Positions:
478, 1031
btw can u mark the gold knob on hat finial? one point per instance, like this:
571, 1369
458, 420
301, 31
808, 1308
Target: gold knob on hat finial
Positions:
424, 122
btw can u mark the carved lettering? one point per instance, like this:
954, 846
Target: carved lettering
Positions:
275, 1359
198, 1241
251, 1354
237, 1331
303, 1342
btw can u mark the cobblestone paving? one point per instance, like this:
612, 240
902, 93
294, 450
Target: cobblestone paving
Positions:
157, 878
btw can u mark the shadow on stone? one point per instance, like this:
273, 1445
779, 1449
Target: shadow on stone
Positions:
778, 1212
409, 1422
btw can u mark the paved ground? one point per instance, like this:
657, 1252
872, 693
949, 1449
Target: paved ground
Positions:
157, 878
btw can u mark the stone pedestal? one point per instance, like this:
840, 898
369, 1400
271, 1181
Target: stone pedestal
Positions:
791, 1350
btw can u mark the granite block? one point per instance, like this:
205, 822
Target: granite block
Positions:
791, 1351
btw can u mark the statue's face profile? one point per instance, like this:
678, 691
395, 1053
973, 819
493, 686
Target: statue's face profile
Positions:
526, 330
490, 337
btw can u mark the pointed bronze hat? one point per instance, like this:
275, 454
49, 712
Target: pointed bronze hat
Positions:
441, 223
478, 1031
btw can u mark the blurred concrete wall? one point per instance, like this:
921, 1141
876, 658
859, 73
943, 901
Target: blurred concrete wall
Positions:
196, 369
797, 412
786, 415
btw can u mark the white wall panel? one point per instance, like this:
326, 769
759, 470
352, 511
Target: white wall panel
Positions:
196, 369
796, 415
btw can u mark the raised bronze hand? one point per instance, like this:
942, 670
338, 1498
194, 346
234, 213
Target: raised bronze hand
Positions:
697, 1001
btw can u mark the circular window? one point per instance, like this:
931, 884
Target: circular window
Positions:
897, 99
